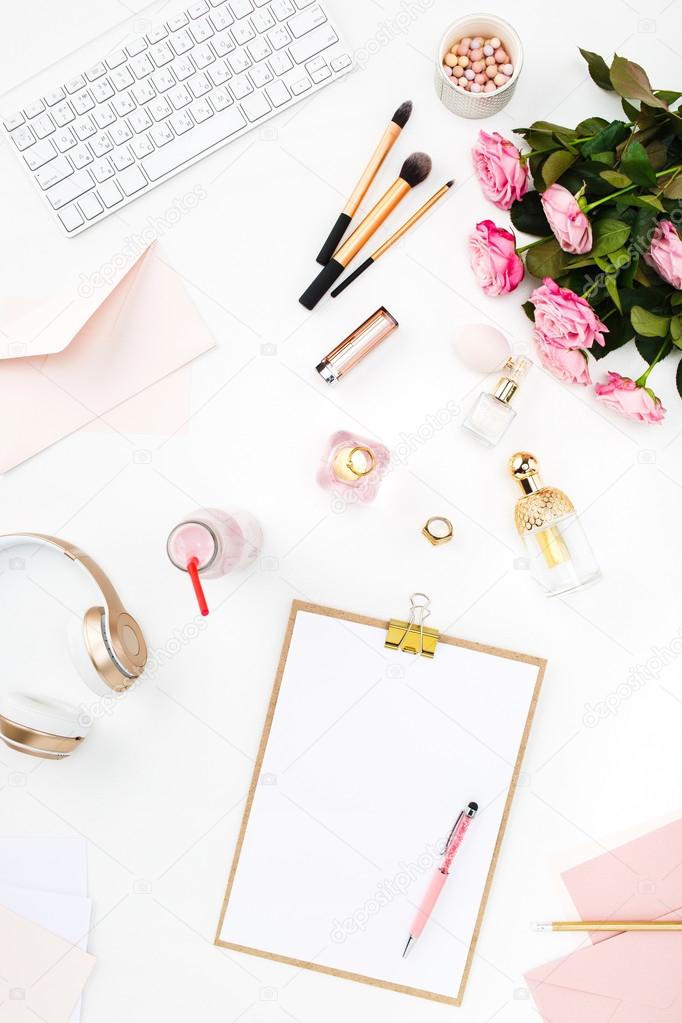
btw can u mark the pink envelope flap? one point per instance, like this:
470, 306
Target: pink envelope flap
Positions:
640, 880
637, 968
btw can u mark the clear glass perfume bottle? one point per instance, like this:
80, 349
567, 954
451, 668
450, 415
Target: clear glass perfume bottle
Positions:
561, 558
492, 414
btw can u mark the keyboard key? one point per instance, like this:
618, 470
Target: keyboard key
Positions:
23, 137
339, 63
110, 193
240, 8
13, 121
116, 58
182, 68
201, 30
282, 9
42, 152
84, 128
162, 80
139, 121
220, 98
80, 157
64, 139
201, 110
136, 46
53, 172
123, 104
122, 158
312, 43
197, 9
320, 74
239, 62
219, 73
279, 37
260, 75
262, 20
70, 218
103, 169
35, 108
142, 65
54, 96
43, 126
255, 106
182, 42
82, 102
162, 134
143, 91
102, 90
242, 32
278, 93
181, 122
203, 56
301, 86
101, 144
90, 206
221, 18
120, 133
63, 113
307, 21
156, 35
74, 84
142, 146
162, 54
160, 108
178, 21
104, 116
69, 189
241, 87
179, 97
121, 79
259, 50
96, 71
193, 143
199, 85
280, 63
222, 44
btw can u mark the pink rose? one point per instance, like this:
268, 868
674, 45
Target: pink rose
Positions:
571, 227
564, 319
631, 400
665, 254
568, 364
497, 163
497, 266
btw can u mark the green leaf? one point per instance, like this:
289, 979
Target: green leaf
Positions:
556, 164
668, 96
591, 126
630, 111
546, 260
527, 215
649, 324
620, 332
631, 81
673, 189
657, 151
607, 158
676, 330
608, 235
598, 68
602, 262
635, 163
615, 178
529, 310
607, 139
678, 378
676, 299
649, 349
651, 202
612, 287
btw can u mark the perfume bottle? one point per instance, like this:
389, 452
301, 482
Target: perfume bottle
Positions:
560, 554
492, 414
353, 463
209, 543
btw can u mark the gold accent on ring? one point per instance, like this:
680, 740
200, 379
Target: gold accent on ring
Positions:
362, 449
434, 538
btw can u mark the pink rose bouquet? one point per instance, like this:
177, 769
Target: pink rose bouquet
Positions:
570, 226
630, 398
564, 319
502, 174
496, 265
665, 253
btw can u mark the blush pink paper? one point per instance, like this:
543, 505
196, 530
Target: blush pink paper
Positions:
621, 978
144, 329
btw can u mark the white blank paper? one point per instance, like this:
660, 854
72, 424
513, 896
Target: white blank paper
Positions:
371, 755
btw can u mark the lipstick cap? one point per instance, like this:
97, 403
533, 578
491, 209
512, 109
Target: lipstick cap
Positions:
357, 345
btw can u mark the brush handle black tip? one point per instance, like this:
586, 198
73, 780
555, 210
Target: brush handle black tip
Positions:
334, 240
321, 285
351, 277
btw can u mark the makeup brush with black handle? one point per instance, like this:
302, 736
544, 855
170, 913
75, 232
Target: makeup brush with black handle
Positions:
386, 143
415, 169
396, 236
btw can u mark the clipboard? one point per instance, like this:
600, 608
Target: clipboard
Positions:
367, 755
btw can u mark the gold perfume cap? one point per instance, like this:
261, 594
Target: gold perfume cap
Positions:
513, 373
525, 470
540, 506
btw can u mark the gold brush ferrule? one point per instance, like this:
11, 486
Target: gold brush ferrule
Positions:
386, 143
372, 222
404, 228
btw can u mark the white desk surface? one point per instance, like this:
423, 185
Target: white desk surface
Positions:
159, 787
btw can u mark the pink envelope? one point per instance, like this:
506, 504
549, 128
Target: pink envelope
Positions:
621, 978
75, 359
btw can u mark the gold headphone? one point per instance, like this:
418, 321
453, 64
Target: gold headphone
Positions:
109, 653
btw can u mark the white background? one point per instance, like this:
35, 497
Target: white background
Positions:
159, 787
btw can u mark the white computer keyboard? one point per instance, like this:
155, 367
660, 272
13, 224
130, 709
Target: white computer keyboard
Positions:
198, 80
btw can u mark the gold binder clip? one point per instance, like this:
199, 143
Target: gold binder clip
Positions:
412, 636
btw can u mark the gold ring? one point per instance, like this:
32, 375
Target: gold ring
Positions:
438, 530
369, 454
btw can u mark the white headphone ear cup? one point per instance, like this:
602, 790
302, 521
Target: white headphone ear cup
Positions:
52, 716
81, 659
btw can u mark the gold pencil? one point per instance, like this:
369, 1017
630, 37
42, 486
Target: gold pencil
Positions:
614, 926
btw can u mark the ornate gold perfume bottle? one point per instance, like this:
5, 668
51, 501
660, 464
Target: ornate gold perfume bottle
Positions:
560, 554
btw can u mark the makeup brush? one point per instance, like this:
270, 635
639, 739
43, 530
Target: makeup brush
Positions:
396, 236
386, 143
415, 169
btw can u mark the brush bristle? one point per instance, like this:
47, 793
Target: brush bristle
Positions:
402, 114
450, 183
416, 168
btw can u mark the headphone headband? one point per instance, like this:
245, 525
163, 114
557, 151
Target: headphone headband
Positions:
119, 630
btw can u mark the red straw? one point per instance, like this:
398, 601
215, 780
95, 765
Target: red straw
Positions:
193, 569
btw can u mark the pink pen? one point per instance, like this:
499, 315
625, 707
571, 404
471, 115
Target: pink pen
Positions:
455, 839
